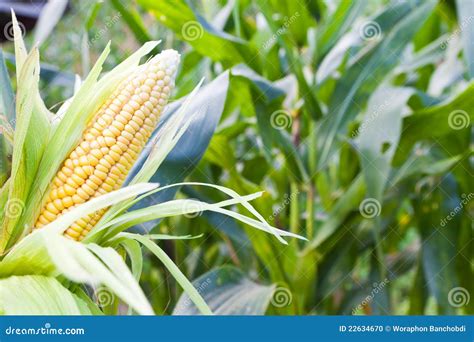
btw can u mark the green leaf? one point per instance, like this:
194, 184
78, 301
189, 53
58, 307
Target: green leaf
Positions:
46, 251
418, 295
431, 54
448, 72
352, 43
61, 223
90, 305
223, 223
465, 10
336, 265
30, 255
84, 104
364, 76
452, 116
228, 292
7, 111
181, 207
438, 240
134, 252
295, 17
92, 14
19, 183
82, 263
313, 108
133, 20
35, 126
207, 105
379, 134
220, 152
335, 26
272, 137
378, 275
50, 74
174, 270
220, 19
38, 295
269, 90
346, 203
422, 165
201, 35
7, 98
50, 15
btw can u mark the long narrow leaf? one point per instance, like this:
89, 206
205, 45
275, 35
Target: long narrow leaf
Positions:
175, 271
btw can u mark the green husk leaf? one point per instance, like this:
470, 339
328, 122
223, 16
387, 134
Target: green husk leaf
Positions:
30, 256
38, 295
19, 179
7, 112
7, 97
93, 264
47, 252
161, 210
174, 270
134, 252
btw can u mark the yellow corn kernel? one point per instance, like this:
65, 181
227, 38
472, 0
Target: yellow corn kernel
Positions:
111, 143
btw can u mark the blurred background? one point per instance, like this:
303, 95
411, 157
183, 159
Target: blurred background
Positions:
354, 117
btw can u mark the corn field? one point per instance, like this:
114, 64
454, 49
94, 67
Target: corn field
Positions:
241, 157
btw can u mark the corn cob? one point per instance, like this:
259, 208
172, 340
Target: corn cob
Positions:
111, 143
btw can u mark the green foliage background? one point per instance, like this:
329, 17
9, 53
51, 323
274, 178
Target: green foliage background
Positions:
355, 119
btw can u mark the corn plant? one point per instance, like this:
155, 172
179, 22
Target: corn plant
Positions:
355, 117
68, 195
